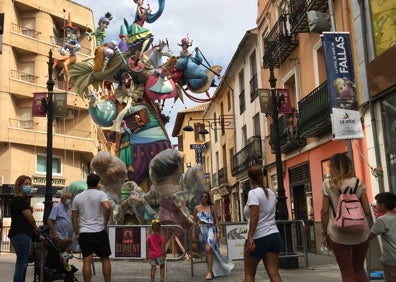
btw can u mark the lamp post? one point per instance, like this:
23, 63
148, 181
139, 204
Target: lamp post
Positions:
282, 213
50, 117
270, 103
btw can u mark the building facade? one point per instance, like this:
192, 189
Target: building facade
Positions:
286, 48
31, 30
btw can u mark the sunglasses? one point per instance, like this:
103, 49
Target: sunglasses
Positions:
204, 196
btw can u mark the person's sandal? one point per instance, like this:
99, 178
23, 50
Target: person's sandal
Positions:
208, 277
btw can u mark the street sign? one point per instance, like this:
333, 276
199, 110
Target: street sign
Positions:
198, 146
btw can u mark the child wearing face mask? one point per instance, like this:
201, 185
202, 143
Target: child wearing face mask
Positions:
23, 225
64, 247
59, 219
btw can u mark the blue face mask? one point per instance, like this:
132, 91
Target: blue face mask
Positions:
68, 202
27, 189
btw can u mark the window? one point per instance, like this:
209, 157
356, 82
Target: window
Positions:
215, 127
389, 128
180, 143
244, 136
242, 104
256, 125
41, 165
253, 79
25, 118
197, 128
229, 99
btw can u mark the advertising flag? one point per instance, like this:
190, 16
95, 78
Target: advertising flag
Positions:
38, 107
60, 105
343, 101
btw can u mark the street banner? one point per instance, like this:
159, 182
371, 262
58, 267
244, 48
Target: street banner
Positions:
38, 108
343, 101
265, 99
60, 105
346, 124
285, 105
127, 241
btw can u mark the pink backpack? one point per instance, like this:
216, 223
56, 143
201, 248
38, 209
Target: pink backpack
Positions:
349, 216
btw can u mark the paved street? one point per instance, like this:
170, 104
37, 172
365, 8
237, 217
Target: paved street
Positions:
322, 268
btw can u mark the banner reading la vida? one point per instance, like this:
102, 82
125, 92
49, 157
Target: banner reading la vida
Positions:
345, 116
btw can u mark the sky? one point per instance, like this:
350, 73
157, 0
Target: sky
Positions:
215, 26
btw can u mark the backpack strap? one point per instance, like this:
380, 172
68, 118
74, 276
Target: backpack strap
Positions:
349, 188
356, 186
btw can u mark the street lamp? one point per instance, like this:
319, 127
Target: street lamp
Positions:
270, 103
220, 123
282, 213
50, 117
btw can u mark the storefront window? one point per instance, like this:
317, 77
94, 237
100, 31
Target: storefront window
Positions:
389, 118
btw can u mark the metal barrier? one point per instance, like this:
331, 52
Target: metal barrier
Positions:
171, 233
295, 244
5, 245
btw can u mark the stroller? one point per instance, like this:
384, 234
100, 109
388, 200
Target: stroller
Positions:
48, 263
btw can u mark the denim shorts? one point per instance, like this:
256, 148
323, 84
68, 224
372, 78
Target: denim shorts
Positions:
268, 244
156, 261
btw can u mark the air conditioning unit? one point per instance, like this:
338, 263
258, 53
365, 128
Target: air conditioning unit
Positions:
318, 22
1, 180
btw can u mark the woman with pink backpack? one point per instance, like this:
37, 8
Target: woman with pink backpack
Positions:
341, 191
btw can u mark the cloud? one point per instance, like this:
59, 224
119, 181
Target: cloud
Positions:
215, 26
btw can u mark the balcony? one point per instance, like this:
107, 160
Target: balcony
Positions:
222, 174
314, 113
60, 42
15, 74
298, 13
289, 138
251, 154
24, 30
279, 43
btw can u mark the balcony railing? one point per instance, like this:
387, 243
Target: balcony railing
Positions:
24, 30
23, 76
298, 13
60, 42
314, 113
222, 176
279, 43
251, 154
289, 138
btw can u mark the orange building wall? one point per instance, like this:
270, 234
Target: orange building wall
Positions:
315, 158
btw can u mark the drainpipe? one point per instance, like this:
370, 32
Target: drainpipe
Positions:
378, 171
332, 16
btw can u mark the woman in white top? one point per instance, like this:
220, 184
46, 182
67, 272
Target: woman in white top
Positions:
263, 240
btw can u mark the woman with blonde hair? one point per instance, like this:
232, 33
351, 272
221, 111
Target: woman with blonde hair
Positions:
350, 248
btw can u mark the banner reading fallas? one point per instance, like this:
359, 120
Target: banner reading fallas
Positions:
345, 116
